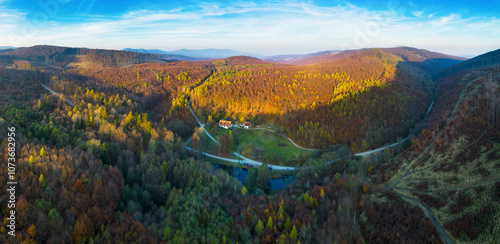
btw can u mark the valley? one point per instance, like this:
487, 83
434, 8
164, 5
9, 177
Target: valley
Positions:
383, 145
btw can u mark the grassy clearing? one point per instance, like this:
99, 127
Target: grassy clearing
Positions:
266, 146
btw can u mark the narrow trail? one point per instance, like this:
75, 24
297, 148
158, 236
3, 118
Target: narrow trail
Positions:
446, 238
55, 93
202, 126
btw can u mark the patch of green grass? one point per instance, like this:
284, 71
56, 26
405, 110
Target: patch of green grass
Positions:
262, 145
271, 143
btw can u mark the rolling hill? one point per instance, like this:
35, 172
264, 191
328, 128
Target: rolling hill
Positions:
374, 92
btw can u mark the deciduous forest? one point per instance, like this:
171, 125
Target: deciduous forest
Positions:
105, 160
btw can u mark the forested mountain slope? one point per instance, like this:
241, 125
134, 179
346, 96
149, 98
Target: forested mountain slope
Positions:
68, 57
114, 168
453, 166
485, 60
362, 98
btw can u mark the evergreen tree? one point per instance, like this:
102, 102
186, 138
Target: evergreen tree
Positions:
288, 224
306, 197
282, 208
293, 234
259, 227
270, 222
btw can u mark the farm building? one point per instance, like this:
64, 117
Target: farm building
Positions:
225, 124
247, 125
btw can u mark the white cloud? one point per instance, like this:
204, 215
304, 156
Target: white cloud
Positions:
418, 13
270, 28
447, 20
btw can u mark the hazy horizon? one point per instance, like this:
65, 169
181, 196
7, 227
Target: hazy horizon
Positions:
249, 52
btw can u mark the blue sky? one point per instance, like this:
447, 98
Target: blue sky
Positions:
456, 27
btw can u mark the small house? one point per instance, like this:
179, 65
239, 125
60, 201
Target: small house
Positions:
225, 124
247, 125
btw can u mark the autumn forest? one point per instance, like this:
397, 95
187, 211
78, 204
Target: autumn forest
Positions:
114, 147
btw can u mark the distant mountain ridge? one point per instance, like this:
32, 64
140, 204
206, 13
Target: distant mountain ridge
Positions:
211, 53
292, 58
410, 54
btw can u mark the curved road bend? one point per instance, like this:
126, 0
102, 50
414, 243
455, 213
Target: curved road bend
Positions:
380, 149
431, 216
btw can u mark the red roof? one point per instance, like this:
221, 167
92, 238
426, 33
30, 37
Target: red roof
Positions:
225, 123
247, 123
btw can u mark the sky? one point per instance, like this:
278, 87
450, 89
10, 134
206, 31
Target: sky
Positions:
458, 27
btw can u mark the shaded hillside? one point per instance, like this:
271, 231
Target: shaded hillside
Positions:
452, 169
79, 57
363, 98
453, 166
485, 60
